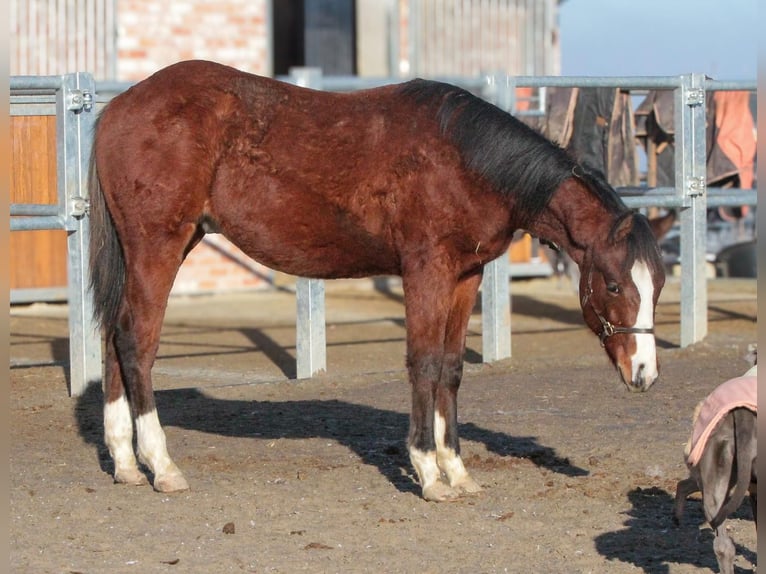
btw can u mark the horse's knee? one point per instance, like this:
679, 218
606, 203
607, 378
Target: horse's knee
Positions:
451, 372
424, 369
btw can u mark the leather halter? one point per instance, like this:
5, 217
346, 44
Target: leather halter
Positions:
607, 328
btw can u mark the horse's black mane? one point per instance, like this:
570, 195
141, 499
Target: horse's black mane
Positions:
512, 156
516, 159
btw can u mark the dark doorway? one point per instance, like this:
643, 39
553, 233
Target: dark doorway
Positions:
316, 33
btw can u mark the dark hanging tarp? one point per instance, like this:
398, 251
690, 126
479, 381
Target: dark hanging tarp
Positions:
596, 125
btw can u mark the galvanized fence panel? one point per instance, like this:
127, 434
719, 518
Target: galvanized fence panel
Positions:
73, 99
72, 96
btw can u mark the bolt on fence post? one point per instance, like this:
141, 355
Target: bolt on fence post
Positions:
75, 118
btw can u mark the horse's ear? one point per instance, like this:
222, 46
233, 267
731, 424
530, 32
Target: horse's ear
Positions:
661, 225
622, 230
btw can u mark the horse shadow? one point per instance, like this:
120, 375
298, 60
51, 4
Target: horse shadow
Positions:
650, 541
375, 435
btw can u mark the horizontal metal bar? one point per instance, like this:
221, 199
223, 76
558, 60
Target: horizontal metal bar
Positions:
32, 110
29, 98
348, 83
668, 197
637, 201
37, 223
638, 82
34, 209
106, 90
731, 200
730, 85
351, 83
35, 294
35, 83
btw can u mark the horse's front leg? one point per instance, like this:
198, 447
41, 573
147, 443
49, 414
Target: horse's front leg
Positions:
445, 428
436, 326
424, 374
445, 413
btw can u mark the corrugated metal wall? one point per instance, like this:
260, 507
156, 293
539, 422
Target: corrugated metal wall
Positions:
471, 37
49, 37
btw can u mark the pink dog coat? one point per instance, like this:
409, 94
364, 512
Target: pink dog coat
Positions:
734, 393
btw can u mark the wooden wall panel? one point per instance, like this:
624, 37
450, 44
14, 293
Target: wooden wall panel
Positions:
38, 259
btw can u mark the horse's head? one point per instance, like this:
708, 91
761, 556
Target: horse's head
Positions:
620, 282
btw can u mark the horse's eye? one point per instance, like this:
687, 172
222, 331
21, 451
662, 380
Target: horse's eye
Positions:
613, 288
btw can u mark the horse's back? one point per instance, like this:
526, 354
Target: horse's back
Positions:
281, 170
181, 112
308, 182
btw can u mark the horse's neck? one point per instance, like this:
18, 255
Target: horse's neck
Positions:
573, 219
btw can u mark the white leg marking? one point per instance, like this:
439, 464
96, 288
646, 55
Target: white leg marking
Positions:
646, 349
429, 475
118, 436
152, 450
449, 461
425, 466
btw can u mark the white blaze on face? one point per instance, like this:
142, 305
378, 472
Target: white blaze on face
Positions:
646, 351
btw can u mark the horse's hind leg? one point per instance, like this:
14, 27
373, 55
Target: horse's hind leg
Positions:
118, 422
684, 488
149, 278
445, 413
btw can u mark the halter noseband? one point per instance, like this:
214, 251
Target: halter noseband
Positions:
607, 328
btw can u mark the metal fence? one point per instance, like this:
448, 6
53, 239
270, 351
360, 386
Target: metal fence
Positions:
74, 99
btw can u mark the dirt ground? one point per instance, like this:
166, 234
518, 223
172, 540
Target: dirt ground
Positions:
313, 475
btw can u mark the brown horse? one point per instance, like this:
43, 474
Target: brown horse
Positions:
422, 180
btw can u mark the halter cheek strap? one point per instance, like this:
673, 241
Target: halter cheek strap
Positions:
607, 328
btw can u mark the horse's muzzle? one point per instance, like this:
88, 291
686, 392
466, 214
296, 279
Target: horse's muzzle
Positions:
641, 380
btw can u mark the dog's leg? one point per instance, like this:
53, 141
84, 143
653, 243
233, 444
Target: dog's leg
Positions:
683, 489
724, 550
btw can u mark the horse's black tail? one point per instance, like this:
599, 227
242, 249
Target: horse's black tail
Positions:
107, 262
744, 441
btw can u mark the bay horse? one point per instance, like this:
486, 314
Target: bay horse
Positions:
420, 179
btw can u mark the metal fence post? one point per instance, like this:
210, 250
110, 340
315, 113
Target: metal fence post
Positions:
75, 117
690, 180
310, 329
496, 284
311, 344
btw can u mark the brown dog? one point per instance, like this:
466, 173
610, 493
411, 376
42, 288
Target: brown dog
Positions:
721, 456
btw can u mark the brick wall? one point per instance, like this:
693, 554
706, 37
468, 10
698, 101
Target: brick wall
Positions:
216, 265
153, 34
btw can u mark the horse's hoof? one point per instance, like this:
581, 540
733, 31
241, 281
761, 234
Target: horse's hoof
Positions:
468, 486
133, 477
440, 492
170, 483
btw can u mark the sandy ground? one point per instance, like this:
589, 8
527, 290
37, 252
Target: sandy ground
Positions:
312, 475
